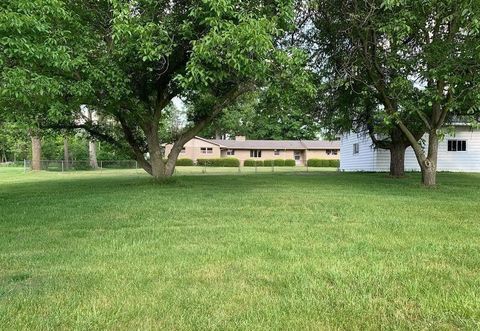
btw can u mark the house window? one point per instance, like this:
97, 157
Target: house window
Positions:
230, 152
332, 152
297, 155
276, 152
356, 148
457, 145
183, 150
255, 153
206, 150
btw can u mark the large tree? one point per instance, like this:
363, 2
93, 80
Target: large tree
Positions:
419, 59
354, 108
344, 103
134, 57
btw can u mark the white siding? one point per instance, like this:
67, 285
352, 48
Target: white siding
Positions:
382, 160
468, 161
364, 160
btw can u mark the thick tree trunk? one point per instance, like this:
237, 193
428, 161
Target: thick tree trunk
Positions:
397, 160
156, 160
429, 176
66, 157
36, 153
92, 152
429, 164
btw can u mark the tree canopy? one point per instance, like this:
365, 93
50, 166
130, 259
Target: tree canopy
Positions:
129, 59
407, 65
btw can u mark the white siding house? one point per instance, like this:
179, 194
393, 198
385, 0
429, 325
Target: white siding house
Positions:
456, 152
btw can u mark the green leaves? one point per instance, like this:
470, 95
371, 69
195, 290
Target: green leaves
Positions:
42, 56
234, 51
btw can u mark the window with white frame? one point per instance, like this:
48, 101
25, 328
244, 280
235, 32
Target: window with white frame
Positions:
356, 148
206, 150
230, 152
255, 153
457, 145
332, 152
276, 152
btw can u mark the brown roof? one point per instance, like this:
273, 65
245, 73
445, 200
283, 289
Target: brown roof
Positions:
276, 144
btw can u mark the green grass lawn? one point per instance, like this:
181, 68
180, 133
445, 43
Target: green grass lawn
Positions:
318, 250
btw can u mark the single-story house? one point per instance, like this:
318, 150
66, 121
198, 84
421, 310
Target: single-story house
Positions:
243, 149
459, 151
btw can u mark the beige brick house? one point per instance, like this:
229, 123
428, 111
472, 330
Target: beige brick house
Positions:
242, 149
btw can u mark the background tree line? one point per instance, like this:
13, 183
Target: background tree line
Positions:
15, 146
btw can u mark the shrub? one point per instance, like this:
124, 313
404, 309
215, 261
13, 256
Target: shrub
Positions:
323, 163
252, 163
316, 163
230, 162
289, 163
334, 163
268, 163
279, 163
184, 162
222, 162
204, 162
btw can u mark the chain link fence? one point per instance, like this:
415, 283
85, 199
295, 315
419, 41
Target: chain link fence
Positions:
80, 165
131, 166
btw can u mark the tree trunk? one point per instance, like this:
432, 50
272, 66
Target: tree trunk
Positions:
66, 157
92, 146
36, 153
429, 164
92, 152
172, 159
156, 160
429, 176
397, 160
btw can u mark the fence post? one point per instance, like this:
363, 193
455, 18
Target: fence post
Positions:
62, 166
255, 166
136, 167
101, 166
24, 166
272, 167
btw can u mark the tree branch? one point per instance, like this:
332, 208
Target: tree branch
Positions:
92, 129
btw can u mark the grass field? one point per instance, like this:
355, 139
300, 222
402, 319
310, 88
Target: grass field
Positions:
318, 250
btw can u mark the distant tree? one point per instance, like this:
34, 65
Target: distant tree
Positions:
282, 109
14, 142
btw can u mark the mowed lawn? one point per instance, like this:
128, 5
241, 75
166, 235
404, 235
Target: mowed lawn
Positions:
304, 251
